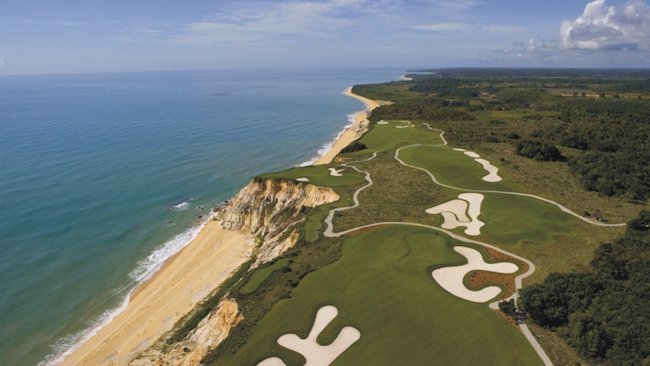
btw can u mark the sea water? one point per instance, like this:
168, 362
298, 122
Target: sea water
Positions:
104, 176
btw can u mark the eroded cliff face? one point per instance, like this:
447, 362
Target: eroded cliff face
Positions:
210, 332
269, 209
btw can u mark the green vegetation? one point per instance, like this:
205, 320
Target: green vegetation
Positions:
415, 323
261, 274
538, 150
354, 147
602, 313
604, 114
320, 175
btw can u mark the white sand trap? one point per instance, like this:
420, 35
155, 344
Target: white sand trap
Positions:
493, 171
336, 172
382, 123
303, 179
272, 361
314, 353
458, 149
402, 126
461, 212
493, 175
451, 278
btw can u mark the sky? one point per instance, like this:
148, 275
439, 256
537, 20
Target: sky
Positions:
75, 36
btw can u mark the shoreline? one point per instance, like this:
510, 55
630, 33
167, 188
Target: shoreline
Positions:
153, 306
156, 304
351, 132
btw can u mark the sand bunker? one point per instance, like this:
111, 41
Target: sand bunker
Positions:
493, 171
451, 278
382, 123
336, 172
314, 353
461, 212
303, 179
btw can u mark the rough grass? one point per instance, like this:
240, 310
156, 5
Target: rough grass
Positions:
415, 323
261, 274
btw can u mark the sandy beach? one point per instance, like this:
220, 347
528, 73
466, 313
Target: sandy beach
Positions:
157, 304
354, 131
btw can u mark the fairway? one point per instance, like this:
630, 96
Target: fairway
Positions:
387, 136
383, 287
454, 168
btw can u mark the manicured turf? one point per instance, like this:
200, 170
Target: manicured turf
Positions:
455, 168
320, 175
385, 137
260, 275
382, 286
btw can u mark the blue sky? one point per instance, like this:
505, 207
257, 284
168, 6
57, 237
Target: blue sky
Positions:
66, 36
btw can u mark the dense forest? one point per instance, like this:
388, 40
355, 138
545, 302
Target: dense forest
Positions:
602, 115
604, 313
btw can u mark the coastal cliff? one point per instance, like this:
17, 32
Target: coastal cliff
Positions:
268, 209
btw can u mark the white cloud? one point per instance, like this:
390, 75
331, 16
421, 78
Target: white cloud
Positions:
603, 27
240, 25
442, 27
503, 28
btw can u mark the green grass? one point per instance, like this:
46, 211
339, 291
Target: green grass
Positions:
320, 175
386, 137
382, 285
455, 168
262, 274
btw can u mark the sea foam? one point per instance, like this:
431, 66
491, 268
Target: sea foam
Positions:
144, 270
328, 146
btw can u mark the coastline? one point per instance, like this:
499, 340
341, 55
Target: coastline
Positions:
352, 132
183, 280
158, 303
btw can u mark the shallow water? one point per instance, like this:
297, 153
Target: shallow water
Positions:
103, 176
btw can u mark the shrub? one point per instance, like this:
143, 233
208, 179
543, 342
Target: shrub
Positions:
538, 150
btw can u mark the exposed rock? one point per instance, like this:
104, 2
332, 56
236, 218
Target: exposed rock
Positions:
210, 332
268, 209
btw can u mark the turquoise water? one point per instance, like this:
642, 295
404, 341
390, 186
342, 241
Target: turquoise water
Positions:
103, 176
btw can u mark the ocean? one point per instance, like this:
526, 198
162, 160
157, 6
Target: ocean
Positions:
104, 176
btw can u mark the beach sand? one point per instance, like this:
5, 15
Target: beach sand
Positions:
157, 304
354, 131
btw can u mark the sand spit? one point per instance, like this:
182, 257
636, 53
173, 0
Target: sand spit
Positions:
461, 212
354, 131
314, 353
451, 278
183, 281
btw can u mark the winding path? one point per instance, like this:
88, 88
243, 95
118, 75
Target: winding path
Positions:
561, 207
329, 231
